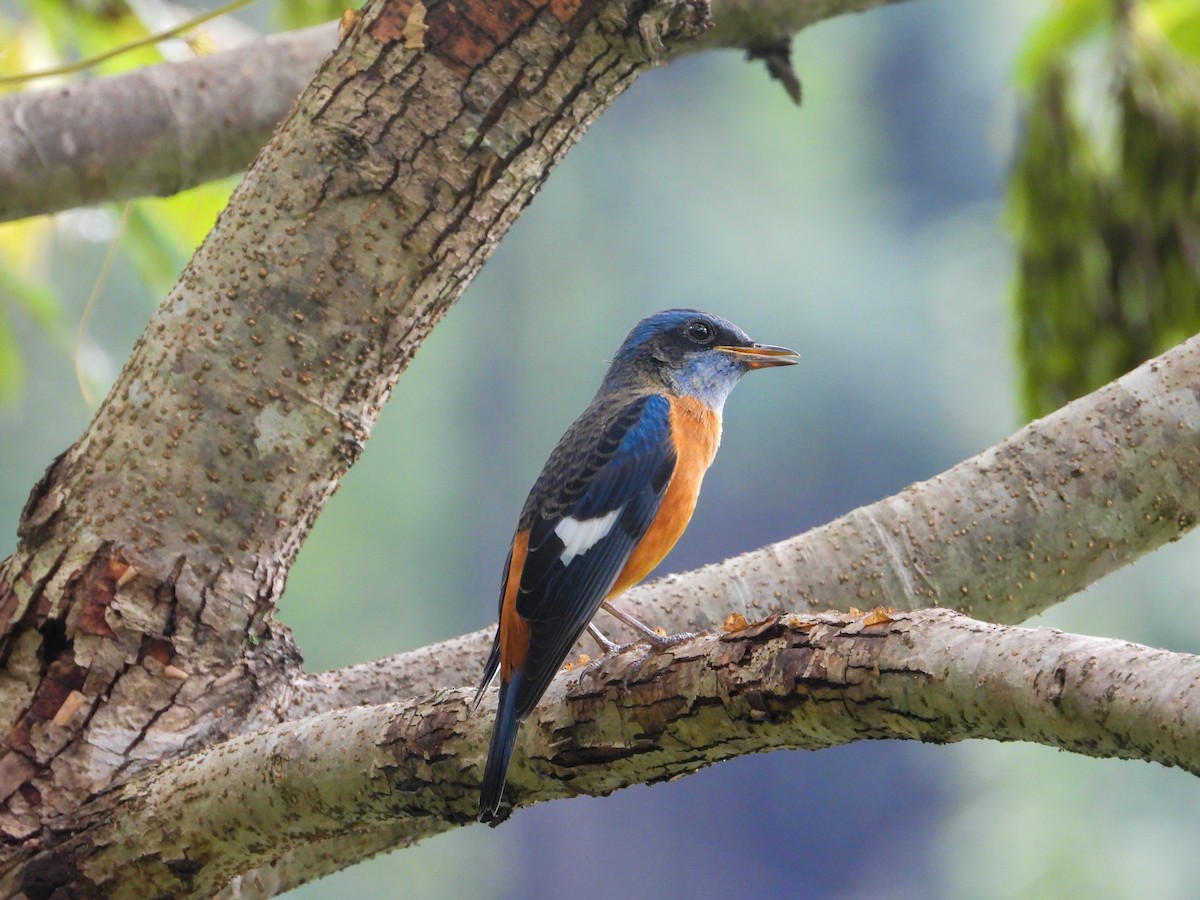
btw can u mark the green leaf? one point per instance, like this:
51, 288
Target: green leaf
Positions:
1061, 32
154, 250
1107, 270
1179, 21
38, 302
12, 370
292, 14
163, 232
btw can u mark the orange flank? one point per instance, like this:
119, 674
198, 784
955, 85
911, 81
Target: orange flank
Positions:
696, 431
514, 631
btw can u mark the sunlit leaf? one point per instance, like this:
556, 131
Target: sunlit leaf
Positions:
1063, 30
192, 213
11, 367
163, 232
1179, 22
292, 14
24, 46
23, 245
25, 291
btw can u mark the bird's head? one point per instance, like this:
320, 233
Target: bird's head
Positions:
692, 353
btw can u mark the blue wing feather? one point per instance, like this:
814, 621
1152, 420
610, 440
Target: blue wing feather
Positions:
617, 458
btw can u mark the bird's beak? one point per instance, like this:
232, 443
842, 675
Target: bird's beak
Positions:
762, 356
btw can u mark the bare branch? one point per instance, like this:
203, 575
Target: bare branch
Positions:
203, 119
1072, 497
157, 130
636, 717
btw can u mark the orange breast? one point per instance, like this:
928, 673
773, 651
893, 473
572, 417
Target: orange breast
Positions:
696, 430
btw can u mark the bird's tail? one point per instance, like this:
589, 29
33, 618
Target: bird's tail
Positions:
504, 738
489, 672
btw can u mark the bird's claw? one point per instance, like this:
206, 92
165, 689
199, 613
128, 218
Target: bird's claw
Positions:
664, 641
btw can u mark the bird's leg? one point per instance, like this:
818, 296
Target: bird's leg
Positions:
658, 641
606, 646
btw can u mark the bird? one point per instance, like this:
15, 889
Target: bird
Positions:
614, 496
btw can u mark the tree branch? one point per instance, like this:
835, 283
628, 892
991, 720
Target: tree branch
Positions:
202, 119
190, 122
794, 682
1072, 497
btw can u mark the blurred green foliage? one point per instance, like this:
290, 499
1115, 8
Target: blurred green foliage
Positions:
1107, 222
1063, 30
161, 232
25, 294
290, 14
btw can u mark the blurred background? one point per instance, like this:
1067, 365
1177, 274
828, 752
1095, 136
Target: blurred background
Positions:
866, 230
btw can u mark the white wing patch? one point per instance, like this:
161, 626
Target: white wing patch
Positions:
579, 537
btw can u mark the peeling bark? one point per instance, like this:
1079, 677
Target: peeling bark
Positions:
790, 682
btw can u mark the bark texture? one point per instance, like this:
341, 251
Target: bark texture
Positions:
190, 122
791, 682
207, 118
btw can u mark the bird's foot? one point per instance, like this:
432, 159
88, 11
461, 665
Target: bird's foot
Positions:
652, 637
663, 641
606, 646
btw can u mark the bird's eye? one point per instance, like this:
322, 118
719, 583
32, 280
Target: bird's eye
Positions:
700, 331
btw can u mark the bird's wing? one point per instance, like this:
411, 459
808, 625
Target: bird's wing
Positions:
596, 499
